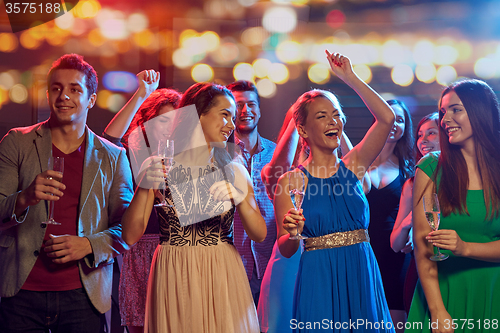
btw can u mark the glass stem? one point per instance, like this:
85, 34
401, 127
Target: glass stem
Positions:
51, 211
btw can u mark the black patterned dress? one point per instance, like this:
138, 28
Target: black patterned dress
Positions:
197, 281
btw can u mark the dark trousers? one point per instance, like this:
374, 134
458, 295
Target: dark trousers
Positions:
255, 283
40, 311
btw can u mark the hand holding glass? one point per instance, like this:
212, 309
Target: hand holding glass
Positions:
433, 215
56, 164
166, 153
296, 183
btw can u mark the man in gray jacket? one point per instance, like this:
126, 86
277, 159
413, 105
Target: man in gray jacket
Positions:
59, 277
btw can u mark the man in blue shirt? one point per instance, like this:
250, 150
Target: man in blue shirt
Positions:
256, 152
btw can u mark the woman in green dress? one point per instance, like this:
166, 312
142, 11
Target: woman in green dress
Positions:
461, 293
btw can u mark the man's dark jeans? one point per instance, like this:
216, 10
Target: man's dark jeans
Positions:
38, 311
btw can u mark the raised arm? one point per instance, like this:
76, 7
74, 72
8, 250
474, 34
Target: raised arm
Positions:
404, 221
282, 158
427, 269
364, 153
148, 82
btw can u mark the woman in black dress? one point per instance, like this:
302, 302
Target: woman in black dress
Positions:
388, 173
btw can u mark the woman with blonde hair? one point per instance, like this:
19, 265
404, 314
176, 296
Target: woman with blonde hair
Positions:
338, 281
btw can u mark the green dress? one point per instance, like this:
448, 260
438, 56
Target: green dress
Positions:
470, 288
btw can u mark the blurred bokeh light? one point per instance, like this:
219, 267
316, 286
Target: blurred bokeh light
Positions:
266, 88
18, 94
202, 73
279, 19
261, 67
486, 68
115, 102
402, 75
243, 71
446, 75
425, 72
289, 52
364, 72
120, 81
319, 73
278, 73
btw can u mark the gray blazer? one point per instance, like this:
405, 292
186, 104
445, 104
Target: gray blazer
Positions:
106, 193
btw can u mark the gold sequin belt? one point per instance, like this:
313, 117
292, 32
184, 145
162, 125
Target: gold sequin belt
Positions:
337, 239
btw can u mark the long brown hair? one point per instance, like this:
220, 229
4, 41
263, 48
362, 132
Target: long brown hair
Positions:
481, 105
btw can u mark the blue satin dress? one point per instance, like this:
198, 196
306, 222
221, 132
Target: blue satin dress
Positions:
338, 289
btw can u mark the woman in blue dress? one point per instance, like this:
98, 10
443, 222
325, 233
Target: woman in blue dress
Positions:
338, 285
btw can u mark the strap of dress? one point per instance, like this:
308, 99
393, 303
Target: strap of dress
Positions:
341, 165
304, 170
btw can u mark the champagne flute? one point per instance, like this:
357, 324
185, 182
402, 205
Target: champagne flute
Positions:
433, 214
166, 152
56, 164
296, 182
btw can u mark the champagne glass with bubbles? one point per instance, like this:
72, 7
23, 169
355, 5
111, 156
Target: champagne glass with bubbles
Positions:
433, 215
166, 152
56, 164
296, 183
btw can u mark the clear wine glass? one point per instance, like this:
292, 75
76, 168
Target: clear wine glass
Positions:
166, 153
56, 164
296, 182
433, 215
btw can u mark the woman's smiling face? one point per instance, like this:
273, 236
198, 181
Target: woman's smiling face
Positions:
398, 129
428, 137
323, 126
218, 122
455, 121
